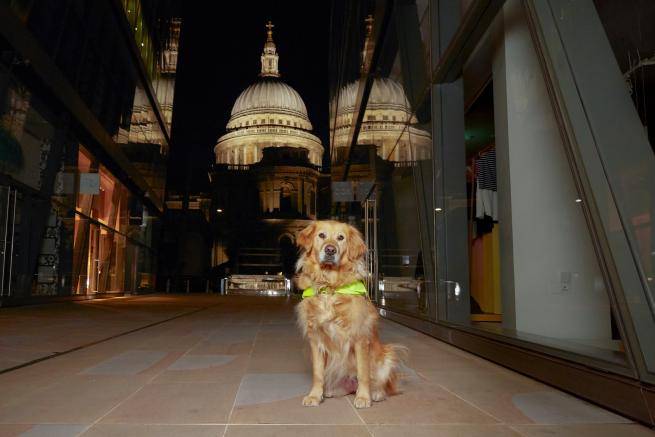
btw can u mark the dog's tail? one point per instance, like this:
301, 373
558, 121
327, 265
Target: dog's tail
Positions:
395, 360
399, 352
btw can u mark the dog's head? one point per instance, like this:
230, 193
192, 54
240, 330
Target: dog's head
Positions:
331, 244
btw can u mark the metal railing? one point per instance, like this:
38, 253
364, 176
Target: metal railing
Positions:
261, 285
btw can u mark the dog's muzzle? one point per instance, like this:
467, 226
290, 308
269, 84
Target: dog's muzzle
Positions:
329, 254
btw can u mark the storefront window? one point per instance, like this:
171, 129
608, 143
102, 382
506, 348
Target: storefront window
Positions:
532, 270
109, 232
466, 190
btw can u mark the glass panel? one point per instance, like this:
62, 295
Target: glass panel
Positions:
68, 220
143, 142
632, 40
532, 272
390, 164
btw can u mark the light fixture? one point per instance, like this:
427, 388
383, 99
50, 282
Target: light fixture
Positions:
142, 44
438, 209
219, 210
578, 200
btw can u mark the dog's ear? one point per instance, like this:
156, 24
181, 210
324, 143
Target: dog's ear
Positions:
356, 246
305, 238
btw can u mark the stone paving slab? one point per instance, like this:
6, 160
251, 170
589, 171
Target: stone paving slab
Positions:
236, 366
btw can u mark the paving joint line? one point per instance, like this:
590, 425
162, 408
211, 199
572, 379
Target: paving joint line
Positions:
137, 391
102, 340
236, 395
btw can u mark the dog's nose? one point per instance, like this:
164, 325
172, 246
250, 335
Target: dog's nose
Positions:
330, 250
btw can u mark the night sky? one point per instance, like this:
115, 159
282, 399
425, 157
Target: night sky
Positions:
219, 56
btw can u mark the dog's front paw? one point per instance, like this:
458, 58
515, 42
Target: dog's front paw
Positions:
311, 401
378, 396
362, 402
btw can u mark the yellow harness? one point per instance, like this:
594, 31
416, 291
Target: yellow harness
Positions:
356, 288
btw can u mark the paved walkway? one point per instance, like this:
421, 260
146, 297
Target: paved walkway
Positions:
236, 366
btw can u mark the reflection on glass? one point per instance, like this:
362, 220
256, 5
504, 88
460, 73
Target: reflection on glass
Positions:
533, 270
390, 165
631, 35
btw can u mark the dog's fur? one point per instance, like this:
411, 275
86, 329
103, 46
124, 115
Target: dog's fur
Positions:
342, 330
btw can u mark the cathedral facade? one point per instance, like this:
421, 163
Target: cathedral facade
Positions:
266, 174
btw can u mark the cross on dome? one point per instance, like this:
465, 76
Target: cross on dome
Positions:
269, 30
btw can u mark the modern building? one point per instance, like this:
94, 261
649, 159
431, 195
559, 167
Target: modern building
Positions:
267, 174
509, 208
86, 100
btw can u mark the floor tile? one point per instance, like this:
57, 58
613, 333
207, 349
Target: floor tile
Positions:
593, 430
54, 430
126, 363
177, 403
123, 430
294, 361
551, 407
261, 388
429, 404
296, 431
210, 368
81, 399
443, 431
200, 362
291, 411
491, 392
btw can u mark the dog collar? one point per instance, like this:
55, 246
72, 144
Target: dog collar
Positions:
355, 289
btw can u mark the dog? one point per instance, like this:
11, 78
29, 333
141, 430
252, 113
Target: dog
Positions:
338, 320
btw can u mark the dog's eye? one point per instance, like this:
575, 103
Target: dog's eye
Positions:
340, 238
321, 235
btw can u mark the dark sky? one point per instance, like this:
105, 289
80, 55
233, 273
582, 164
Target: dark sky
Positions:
221, 43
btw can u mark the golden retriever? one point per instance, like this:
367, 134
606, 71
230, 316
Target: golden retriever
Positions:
339, 321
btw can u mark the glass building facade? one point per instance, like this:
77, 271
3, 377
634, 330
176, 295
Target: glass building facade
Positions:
498, 159
86, 97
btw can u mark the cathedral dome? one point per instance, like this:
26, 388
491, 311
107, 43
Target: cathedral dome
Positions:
269, 95
269, 113
385, 93
389, 123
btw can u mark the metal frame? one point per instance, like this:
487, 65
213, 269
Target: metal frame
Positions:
13, 233
448, 151
4, 243
474, 24
371, 239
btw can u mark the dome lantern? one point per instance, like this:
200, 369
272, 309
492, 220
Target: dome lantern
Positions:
269, 55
